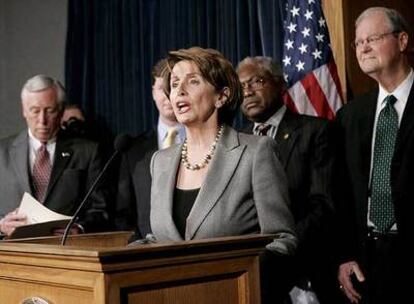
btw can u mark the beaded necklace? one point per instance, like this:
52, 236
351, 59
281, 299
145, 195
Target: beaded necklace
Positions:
206, 159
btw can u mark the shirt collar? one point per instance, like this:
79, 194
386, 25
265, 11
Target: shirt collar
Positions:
35, 143
401, 92
275, 119
162, 130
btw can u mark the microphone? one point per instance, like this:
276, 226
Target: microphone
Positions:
122, 142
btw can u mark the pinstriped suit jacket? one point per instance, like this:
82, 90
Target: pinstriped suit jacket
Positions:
244, 192
305, 149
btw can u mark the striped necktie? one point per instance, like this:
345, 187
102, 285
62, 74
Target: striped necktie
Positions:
262, 129
382, 209
41, 173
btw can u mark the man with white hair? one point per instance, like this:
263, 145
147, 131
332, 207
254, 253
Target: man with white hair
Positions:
55, 169
375, 256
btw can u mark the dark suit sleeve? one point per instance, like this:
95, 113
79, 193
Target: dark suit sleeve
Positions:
125, 207
320, 207
345, 222
95, 217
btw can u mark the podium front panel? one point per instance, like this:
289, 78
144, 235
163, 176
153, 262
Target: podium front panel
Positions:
218, 271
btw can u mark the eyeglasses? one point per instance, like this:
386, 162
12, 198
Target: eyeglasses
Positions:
256, 83
371, 40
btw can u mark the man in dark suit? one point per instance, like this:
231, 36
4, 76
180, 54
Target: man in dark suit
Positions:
377, 139
305, 151
56, 169
134, 186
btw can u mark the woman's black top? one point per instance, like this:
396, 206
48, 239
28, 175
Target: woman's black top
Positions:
182, 204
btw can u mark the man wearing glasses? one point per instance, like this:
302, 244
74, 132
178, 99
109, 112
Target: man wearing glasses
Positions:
377, 139
305, 151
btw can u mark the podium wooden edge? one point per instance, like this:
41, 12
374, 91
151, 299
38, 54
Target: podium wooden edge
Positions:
142, 273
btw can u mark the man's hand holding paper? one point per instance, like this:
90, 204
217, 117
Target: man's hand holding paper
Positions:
31, 212
12, 220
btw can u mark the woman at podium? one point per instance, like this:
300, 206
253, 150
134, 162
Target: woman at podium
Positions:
218, 182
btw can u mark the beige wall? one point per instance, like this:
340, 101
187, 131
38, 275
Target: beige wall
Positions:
32, 41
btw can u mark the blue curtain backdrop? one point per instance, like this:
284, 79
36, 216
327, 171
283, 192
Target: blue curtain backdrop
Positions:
113, 44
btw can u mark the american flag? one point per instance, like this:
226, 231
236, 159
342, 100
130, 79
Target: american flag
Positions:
308, 64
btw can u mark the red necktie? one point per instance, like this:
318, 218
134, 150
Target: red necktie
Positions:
41, 172
262, 129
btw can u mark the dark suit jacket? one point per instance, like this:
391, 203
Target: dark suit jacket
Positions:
76, 164
355, 122
134, 185
305, 149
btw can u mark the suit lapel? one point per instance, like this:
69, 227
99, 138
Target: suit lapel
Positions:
221, 170
363, 117
19, 153
63, 153
365, 130
407, 122
248, 128
286, 136
168, 177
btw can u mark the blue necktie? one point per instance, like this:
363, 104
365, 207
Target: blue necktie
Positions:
382, 209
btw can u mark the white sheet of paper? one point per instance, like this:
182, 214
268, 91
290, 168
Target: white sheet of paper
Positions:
37, 212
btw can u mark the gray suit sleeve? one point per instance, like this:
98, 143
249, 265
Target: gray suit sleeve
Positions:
271, 198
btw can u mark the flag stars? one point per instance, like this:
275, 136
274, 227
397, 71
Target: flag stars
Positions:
317, 54
308, 14
292, 28
311, 1
303, 48
319, 37
289, 44
306, 32
286, 77
295, 11
322, 22
286, 60
300, 66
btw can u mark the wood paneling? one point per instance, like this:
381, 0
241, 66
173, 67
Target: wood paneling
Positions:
334, 17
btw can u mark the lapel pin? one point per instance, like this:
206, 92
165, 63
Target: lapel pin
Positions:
286, 136
65, 154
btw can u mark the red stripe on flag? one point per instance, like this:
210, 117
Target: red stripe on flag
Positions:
317, 96
289, 102
334, 73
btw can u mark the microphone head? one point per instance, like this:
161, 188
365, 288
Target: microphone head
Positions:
122, 142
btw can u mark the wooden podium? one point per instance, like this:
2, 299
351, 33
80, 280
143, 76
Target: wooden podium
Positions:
99, 268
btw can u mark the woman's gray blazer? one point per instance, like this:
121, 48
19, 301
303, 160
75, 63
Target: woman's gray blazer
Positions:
244, 192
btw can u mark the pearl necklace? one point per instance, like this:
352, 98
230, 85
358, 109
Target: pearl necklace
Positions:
207, 158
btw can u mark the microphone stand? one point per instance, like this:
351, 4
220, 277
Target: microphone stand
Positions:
83, 203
